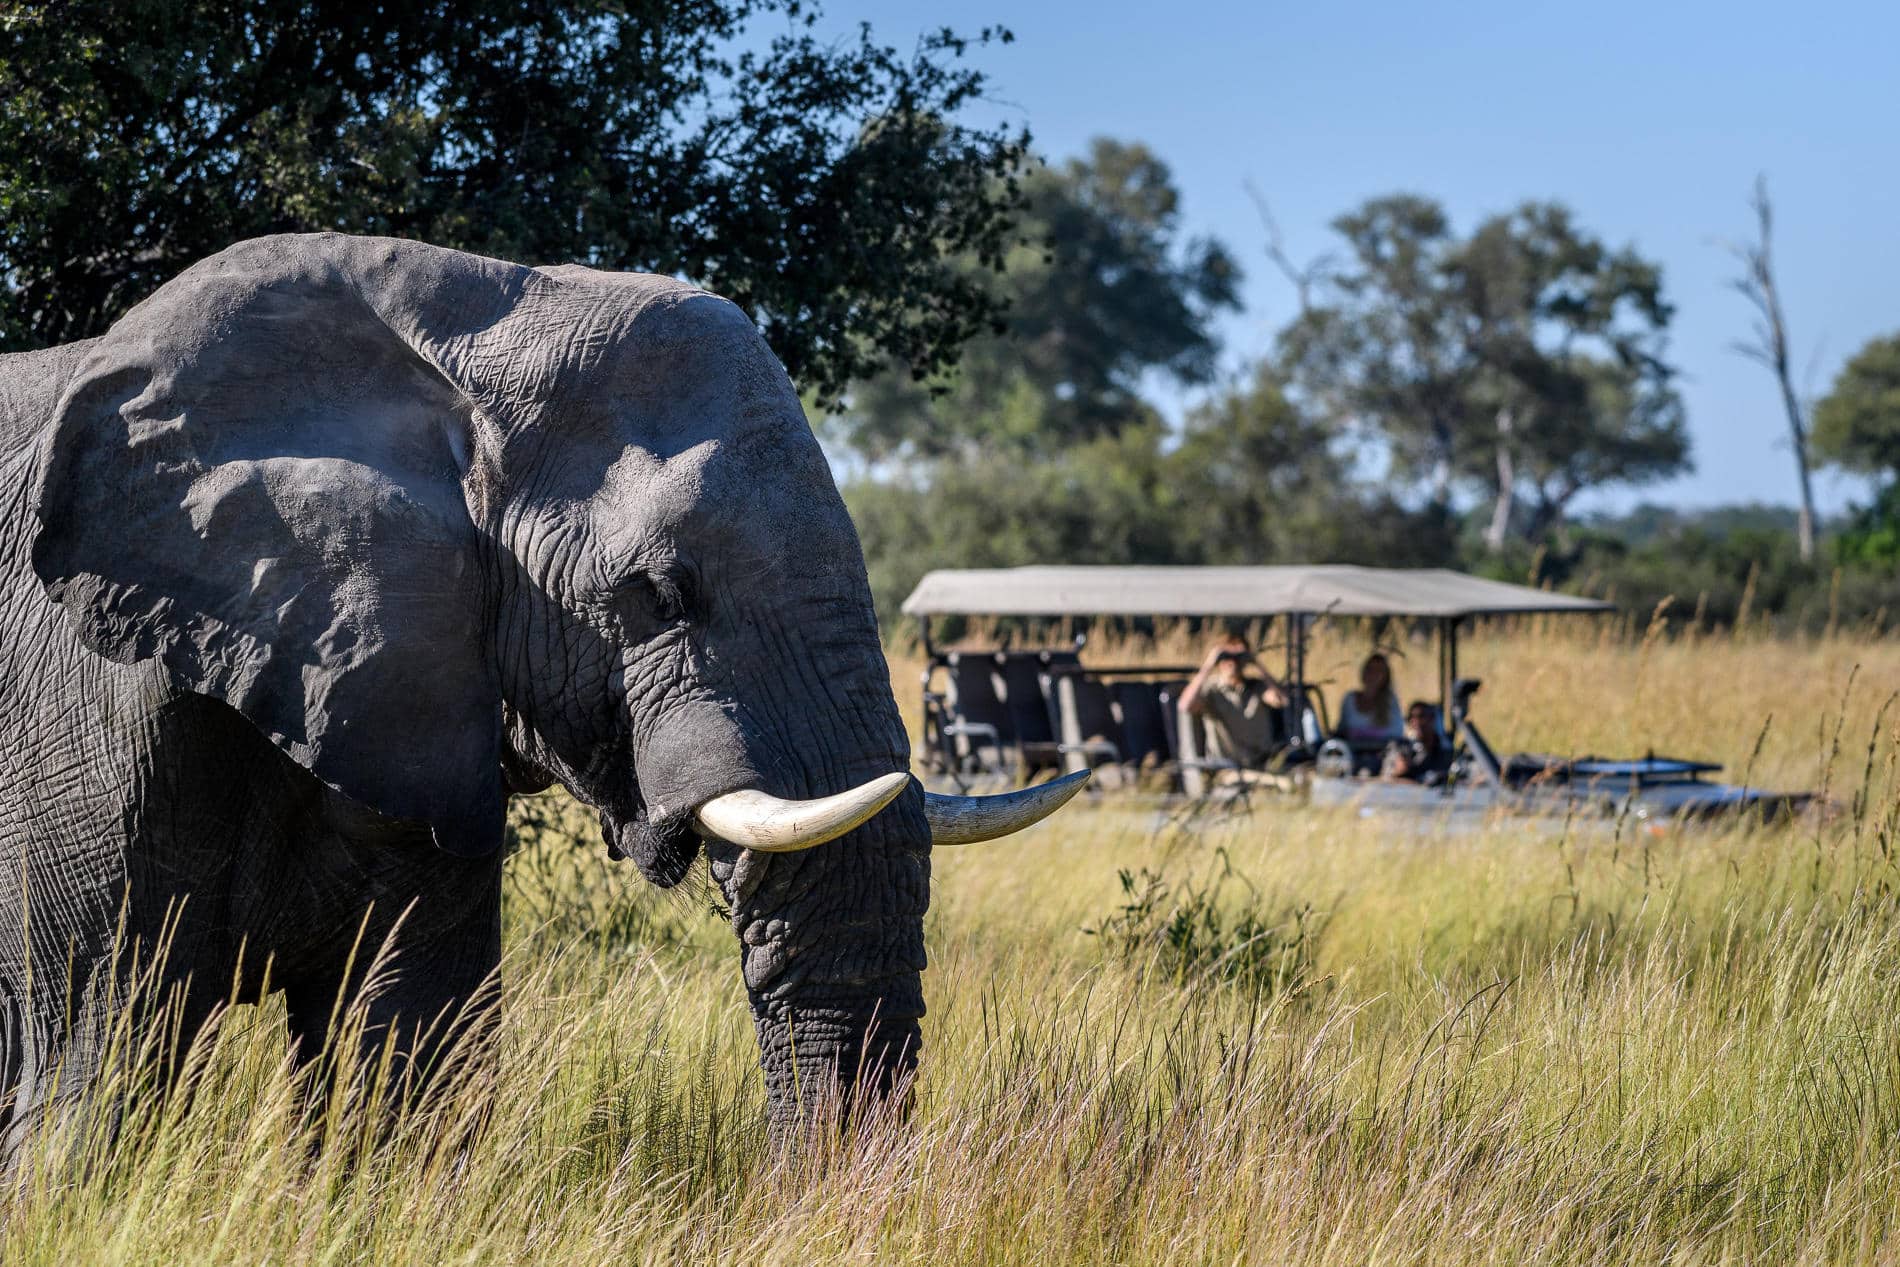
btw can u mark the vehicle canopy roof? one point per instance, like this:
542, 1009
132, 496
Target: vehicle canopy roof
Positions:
1319, 590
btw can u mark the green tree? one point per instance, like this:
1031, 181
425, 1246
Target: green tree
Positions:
1857, 424
1525, 360
1383, 348
1568, 337
824, 187
1256, 478
1102, 289
1102, 501
1249, 479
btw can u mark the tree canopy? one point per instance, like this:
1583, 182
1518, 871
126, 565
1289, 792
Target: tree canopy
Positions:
1102, 289
1247, 479
1525, 360
826, 188
981, 330
1857, 427
1857, 424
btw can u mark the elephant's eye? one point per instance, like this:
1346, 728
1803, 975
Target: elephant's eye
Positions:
666, 596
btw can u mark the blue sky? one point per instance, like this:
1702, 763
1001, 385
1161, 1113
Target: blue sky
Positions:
1651, 120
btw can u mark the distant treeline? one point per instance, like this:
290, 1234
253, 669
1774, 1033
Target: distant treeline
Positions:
1725, 565
1440, 399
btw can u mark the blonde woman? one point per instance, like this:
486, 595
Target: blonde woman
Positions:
1370, 717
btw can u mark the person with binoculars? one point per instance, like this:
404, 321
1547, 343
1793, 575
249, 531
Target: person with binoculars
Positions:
1244, 705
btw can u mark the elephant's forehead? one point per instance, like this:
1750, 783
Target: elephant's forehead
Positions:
632, 282
637, 328
747, 493
669, 390
663, 485
712, 479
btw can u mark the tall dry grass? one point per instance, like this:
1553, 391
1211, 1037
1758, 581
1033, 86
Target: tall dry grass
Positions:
1286, 1037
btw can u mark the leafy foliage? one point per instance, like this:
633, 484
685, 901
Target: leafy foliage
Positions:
1527, 355
1857, 424
1871, 536
1714, 567
1101, 290
1041, 447
823, 187
1193, 931
1249, 479
1524, 361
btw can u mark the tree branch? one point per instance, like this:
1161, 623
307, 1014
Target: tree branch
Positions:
1304, 278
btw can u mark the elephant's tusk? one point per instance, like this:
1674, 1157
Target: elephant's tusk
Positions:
964, 820
770, 824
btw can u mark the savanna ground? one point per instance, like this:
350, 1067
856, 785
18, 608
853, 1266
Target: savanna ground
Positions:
1286, 1037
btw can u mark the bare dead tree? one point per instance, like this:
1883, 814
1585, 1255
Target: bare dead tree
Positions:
1767, 344
1498, 531
1302, 277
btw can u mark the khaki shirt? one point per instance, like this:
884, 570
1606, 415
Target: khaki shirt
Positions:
1245, 727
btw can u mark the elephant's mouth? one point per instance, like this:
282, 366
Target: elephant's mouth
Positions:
663, 849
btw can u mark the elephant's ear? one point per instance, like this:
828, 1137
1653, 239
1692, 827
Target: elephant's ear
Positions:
253, 479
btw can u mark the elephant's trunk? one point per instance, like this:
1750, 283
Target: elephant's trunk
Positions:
832, 954
828, 894
831, 937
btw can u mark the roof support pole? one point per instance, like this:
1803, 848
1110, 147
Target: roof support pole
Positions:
923, 694
1447, 665
1444, 683
1296, 624
1291, 680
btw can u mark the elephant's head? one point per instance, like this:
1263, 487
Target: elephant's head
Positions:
445, 528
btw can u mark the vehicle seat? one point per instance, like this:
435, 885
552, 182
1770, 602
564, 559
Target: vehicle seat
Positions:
1144, 734
1026, 697
978, 723
1091, 736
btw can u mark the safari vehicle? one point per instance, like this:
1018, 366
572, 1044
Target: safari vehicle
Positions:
1001, 714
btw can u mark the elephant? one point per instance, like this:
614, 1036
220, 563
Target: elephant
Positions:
331, 546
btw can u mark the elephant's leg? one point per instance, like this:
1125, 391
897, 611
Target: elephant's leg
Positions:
421, 1026
70, 1054
422, 986
20, 1059
424, 1033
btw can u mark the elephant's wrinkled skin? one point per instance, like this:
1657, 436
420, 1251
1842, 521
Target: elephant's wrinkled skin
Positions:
331, 545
